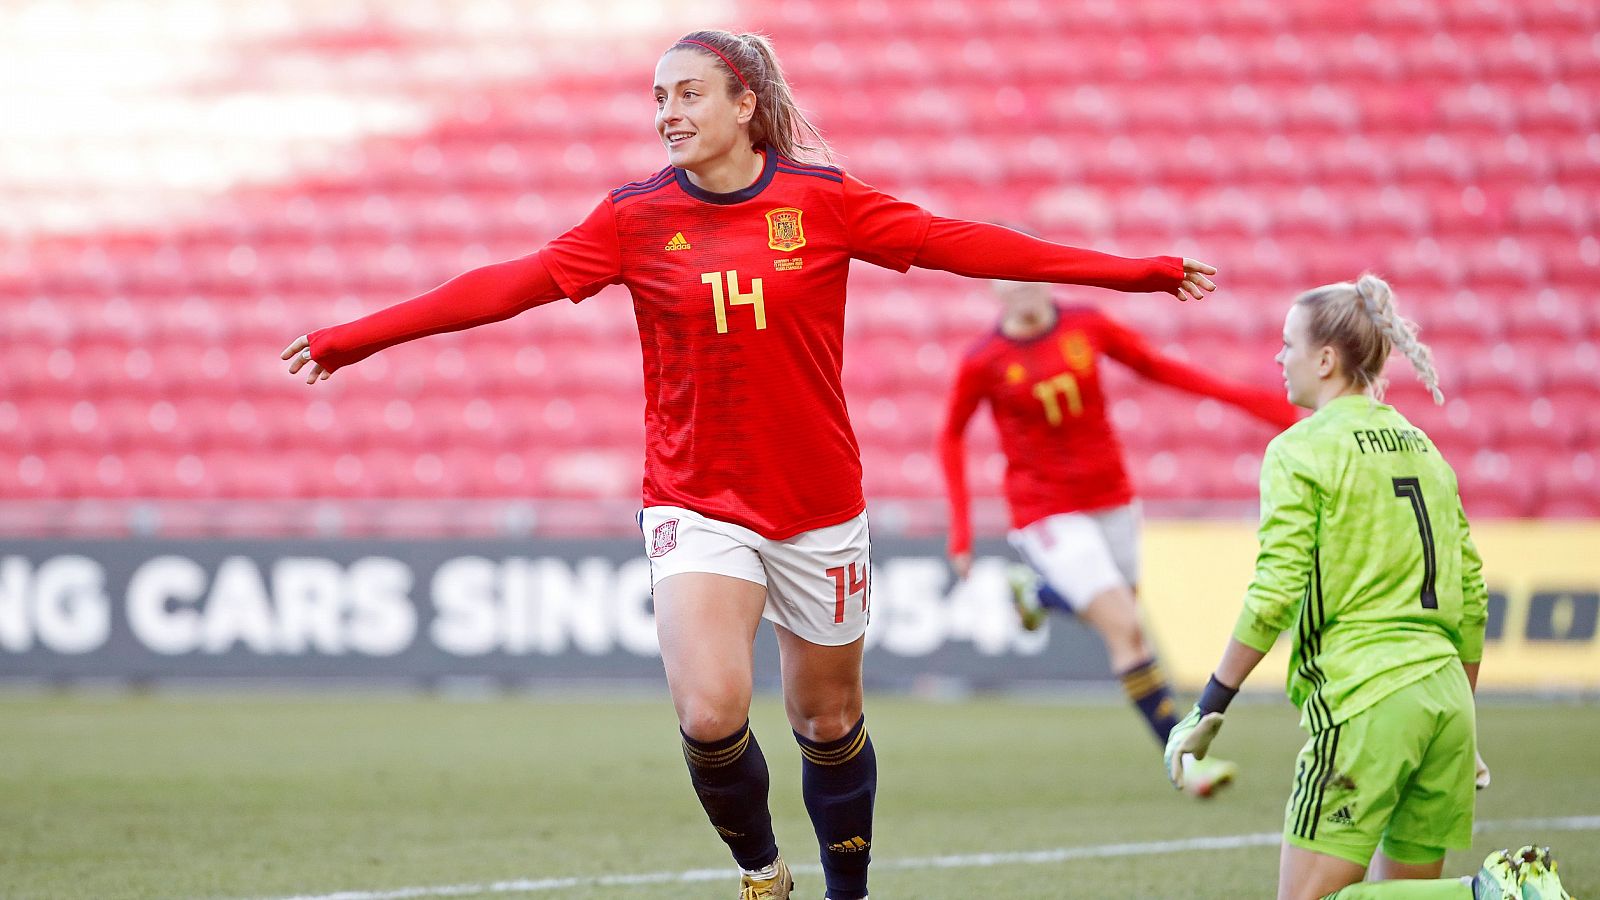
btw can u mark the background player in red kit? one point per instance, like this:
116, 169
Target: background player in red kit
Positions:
1073, 514
736, 256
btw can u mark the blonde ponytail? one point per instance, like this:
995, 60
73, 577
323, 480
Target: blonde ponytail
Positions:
1360, 321
752, 64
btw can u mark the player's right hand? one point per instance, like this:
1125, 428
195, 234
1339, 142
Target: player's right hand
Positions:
1480, 778
1192, 735
1195, 283
298, 354
961, 563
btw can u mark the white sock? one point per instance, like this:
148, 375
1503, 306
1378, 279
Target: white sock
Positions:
765, 873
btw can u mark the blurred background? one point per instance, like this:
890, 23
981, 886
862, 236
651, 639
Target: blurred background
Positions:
186, 186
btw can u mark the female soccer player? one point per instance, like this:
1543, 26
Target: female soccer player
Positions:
1073, 515
736, 255
1365, 551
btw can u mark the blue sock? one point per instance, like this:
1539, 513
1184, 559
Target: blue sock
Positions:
839, 779
1050, 599
730, 777
1147, 688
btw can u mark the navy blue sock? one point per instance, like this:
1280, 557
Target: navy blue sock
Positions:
1147, 688
839, 779
730, 777
1049, 598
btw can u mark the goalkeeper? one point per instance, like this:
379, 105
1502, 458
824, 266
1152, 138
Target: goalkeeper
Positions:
1366, 556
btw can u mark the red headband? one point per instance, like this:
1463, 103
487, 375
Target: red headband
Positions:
731, 67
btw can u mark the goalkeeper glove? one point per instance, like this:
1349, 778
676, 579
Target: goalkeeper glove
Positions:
1192, 735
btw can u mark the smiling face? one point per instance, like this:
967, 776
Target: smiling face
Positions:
699, 123
1305, 367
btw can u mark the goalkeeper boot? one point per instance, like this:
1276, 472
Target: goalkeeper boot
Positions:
1024, 583
776, 887
1202, 778
1497, 880
1536, 872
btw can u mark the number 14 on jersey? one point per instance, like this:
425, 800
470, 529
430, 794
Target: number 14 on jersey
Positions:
721, 299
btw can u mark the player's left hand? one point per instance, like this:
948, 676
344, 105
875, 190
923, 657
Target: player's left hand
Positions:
299, 353
1481, 778
1195, 283
1193, 734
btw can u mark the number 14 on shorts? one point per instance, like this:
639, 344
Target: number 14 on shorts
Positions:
855, 579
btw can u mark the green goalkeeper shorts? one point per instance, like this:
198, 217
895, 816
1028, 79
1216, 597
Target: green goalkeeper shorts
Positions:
1398, 775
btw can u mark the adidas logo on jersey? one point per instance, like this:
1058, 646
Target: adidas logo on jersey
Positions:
678, 242
1341, 816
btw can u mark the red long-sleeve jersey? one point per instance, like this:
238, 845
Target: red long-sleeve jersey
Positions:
1061, 452
739, 300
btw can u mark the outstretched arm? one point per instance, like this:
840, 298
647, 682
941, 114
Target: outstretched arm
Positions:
896, 234
981, 250
577, 264
478, 297
964, 399
1128, 347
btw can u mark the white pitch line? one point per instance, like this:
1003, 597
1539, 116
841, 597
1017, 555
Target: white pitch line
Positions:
965, 861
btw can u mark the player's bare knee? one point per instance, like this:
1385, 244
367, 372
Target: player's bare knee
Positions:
829, 726
711, 721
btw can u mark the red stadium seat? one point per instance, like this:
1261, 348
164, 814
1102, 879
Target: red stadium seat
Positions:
1448, 146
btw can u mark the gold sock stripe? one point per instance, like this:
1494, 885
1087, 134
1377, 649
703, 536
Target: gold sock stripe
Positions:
838, 756
1143, 682
1143, 689
717, 759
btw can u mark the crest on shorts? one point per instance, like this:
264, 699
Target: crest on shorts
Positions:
664, 538
783, 229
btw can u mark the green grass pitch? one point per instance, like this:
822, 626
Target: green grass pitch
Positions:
271, 795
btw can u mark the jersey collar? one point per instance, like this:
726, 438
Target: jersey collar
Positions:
769, 167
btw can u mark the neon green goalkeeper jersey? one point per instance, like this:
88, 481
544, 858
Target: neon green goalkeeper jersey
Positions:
1365, 553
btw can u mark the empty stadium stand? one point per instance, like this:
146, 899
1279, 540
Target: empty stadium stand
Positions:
1451, 145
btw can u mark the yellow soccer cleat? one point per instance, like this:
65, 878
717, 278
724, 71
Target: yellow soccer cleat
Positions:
1497, 880
775, 888
1024, 584
1536, 873
1202, 778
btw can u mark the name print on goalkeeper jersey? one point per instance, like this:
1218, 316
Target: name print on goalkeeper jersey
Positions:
1391, 440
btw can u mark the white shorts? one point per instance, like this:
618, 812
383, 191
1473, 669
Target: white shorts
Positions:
818, 582
1082, 555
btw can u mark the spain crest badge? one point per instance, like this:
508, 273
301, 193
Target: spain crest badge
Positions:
783, 229
1076, 351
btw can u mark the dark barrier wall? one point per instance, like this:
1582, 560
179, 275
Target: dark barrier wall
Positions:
524, 611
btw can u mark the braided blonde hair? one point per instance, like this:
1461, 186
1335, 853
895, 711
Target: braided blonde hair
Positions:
1359, 320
